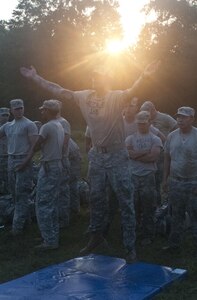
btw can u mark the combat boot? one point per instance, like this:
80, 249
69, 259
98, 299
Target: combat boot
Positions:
96, 240
44, 246
131, 257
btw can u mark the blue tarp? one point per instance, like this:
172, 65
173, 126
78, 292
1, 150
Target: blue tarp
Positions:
93, 277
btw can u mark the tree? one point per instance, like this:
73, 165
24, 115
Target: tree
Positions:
172, 38
62, 38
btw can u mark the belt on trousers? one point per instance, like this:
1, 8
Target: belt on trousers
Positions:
17, 156
109, 149
184, 179
46, 164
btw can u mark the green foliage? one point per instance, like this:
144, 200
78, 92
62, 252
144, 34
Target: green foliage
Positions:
172, 39
64, 39
60, 38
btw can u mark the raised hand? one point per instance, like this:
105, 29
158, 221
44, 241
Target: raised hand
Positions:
151, 68
28, 72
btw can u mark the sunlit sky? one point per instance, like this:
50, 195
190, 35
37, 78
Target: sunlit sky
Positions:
6, 8
131, 17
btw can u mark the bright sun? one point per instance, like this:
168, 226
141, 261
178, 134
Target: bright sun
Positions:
114, 46
132, 19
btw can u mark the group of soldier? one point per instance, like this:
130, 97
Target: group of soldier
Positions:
132, 152
59, 169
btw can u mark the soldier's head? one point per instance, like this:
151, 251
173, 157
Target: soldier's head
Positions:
150, 107
131, 109
17, 108
49, 109
101, 79
4, 115
185, 117
143, 121
60, 108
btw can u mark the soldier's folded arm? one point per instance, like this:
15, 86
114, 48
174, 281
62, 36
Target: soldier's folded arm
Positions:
152, 155
135, 154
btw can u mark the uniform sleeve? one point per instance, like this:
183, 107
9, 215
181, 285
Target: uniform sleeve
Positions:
66, 127
171, 122
167, 145
44, 131
154, 130
32, 129
158, 142
128, 141
2, 130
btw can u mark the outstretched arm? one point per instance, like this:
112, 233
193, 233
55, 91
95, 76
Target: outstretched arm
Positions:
148, 71
55, 89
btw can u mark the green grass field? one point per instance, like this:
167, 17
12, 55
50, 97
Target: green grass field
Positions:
18, 257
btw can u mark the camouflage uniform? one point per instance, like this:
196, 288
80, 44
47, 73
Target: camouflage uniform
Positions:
6, 209
111, 203
75, 170
49, 178
181, 158
111, 168
143, 172
19, 133
4, 116
84, 192
108, 162
4, 174
165, 123
64, 190
47, 201
20, 183
145, 203
183, 197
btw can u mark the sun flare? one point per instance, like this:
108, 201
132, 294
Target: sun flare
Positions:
115, 46
133, 20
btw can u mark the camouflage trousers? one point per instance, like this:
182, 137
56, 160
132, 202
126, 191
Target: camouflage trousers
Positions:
20, 184
6, 209
75, 172
64, 195
47, 212
145, 203
4, 190
182, 197
111, 169
162, 197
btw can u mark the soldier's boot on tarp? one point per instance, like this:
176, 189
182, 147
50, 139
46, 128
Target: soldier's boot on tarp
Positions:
131, 256
96, 240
